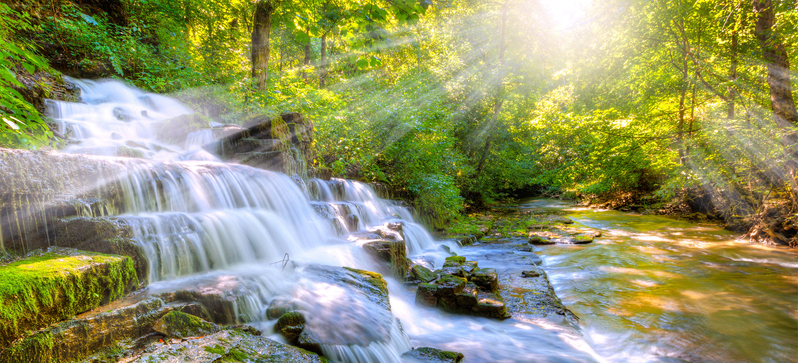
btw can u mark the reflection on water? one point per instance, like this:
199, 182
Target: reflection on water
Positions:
658, 289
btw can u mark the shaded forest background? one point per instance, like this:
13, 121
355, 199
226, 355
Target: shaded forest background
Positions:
666, 106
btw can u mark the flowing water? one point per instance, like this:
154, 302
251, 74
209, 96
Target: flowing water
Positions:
650, 289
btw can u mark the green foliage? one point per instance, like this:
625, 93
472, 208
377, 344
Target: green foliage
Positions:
21, 125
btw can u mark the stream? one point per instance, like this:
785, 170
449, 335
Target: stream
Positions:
649, 289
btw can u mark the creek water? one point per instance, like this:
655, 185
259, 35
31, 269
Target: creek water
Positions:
650, 289
654, 288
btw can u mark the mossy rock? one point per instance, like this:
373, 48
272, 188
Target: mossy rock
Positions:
540, 240
432, 355
456, 259
290, 325
95, 334
421, 273
232, 345
43, 289
581, 239
176, 324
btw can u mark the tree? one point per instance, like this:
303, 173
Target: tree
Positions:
261, 29
778, 65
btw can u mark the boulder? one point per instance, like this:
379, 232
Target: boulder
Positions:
490, 305
278, 307
175, 130
358, 315
540, 240
486, 278
231, 345
281, 143
123, 322
176, 324
50, 287
393, 252
421, 273
432, 355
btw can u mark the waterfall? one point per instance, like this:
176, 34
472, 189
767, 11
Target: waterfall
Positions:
198, 219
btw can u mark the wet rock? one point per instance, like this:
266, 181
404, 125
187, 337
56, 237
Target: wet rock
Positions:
486, 278
393, 252
281, 143
175, 130
103, 235
559, 220
449, 285
39, 187
226, 346
582, 239
427, 294
421, 273
540, 240
532, 273
278, 307
358, 315
46, 288
468, 297
176, 324
116, 136
219, 296
135, 145
432, 355
290, 325
490, 305
123, 114
352, 222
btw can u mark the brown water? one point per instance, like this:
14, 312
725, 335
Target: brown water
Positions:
654, 288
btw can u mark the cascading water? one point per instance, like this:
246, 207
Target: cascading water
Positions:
199, 220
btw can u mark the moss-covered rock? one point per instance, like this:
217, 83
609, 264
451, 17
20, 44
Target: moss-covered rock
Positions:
51, 287
226, 346
393, 252
486, 278
106, 329
540, 240
281, 143
177, 324
421, 273
432, 355
290, 325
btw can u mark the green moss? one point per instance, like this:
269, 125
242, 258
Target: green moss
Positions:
181, 325
51, 287
216, 349
35, 348
372, 277
456, 259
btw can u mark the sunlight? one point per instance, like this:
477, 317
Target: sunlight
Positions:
566, 14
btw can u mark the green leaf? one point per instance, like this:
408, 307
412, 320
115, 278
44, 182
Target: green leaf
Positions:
302, 38
11, 124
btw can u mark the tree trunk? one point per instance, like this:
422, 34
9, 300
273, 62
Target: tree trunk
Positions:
323, 65
778, 65
732, 74
306, 61
261, 27
499, 101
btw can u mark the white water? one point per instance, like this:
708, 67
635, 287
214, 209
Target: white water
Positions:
207, 223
